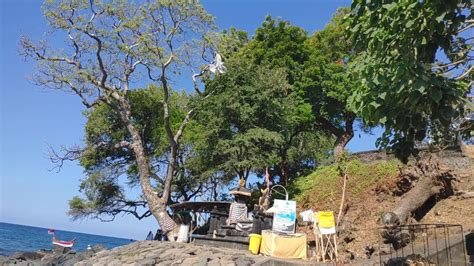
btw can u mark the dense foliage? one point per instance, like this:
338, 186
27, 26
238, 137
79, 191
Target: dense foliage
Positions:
282, 101
416, 68
252, 121
327, 83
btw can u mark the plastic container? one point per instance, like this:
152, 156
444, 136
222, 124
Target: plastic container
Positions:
254, 243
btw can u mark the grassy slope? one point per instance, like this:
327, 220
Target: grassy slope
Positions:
322, 189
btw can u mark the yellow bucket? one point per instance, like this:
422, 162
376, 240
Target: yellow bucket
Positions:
254, 243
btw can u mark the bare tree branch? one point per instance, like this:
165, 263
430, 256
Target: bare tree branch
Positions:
180, 131
65, 154
463, 75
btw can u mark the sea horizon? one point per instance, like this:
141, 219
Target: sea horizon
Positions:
28, 238
64, 230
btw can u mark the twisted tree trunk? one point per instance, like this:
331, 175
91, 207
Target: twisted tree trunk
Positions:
156, 204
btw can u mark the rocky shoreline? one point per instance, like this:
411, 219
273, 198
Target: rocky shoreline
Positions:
149, 253
49, 257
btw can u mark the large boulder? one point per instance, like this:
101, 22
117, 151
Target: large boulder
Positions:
22, 256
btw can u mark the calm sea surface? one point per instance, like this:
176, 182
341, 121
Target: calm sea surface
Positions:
15, 237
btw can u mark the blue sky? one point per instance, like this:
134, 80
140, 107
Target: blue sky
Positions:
32, 117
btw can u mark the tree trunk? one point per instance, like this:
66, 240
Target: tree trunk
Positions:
156, 204
424, 189
341, 143
432, 184
432, 181
283, 172
170, 172
343, 135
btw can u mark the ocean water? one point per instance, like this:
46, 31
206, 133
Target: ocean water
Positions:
16, 238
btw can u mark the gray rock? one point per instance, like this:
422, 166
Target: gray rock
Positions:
226, 262
195, 261
167, 254
244, 261
98, 248
214, 262
146, 262
22, 256
114, 262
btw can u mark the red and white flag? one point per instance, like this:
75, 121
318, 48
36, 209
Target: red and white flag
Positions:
51, 231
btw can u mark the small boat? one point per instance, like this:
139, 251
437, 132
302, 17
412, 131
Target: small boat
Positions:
64, 244
60, 243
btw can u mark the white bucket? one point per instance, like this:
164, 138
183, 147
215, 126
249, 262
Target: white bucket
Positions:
183, 233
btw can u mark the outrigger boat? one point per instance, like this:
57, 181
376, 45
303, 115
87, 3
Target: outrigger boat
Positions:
60, 243
64, 244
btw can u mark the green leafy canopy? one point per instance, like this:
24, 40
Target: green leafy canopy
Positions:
404, 85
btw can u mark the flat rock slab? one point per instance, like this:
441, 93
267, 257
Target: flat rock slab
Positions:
170, 253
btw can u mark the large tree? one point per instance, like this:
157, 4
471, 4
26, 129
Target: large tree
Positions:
110, 47
252, 121
107, 166
327, 82
317, 70
416, 68
254, 117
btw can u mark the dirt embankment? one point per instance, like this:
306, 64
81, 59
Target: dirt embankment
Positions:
365, 203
